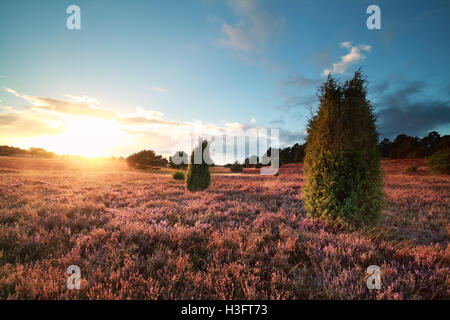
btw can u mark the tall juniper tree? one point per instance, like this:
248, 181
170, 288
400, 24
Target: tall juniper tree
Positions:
197, 175
343, 183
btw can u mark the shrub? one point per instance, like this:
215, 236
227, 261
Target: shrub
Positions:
343, 182
439, 161
145, 159
411, 169
178, 175
198, 176
236, 167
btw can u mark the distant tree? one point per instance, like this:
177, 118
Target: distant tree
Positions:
145, 159
10, 151
266, 159
343, 182
236, 167
294, 154
252, 162
197, 175
439, 162
40, 152
179, 160
405, 146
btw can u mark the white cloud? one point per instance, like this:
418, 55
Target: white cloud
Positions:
159, 89
236, 38
79, 128
252, 120
354, 56
254, 26
83, 99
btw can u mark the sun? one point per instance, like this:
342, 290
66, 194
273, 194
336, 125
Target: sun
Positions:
88, 137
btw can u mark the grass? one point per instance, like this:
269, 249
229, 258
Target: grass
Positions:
140, 235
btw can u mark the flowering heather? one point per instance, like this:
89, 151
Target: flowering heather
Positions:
140, 235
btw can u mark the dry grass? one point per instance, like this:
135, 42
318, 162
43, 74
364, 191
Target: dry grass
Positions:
139, 235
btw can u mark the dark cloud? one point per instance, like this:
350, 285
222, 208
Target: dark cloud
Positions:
299, 82
290, 137
295, 102
407, 110
277, 122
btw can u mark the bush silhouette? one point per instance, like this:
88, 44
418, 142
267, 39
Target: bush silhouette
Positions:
178, 175
411, 169
146, 159
439, 162
236, 167
343, 183
197, 175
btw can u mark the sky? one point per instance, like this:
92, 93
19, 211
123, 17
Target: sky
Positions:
155, 74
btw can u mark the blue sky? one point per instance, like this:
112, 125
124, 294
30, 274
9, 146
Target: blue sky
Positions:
157, 68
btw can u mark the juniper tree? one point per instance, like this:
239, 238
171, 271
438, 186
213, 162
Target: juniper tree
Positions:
343, 182
197, 175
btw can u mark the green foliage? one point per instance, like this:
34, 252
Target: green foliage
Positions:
405, 146
236, 167
198, 176
343, 183
178, 175
294, 154
36, 152
411, 169
439, 162
252, 162
146, 159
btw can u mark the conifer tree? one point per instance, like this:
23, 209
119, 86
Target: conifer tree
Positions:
197, 175
343, 183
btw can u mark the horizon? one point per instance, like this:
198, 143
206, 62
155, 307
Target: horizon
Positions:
167, 156
220, 68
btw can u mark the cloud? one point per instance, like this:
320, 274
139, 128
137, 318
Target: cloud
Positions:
406, 110
355, 55
235, 38
255, 26
23, 124
252, 120
295, 102
70, 127
275, 122
299, 82
290, 137
83, 99
159, 89
64, 107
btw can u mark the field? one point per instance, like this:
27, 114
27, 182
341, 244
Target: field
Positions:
140, 235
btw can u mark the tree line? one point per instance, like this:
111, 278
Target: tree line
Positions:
36, 152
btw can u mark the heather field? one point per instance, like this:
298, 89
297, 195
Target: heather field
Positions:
140, 235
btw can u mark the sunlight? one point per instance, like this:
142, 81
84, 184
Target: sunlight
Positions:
88, 137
